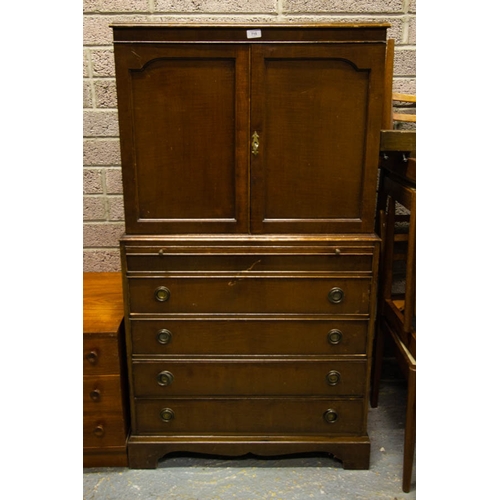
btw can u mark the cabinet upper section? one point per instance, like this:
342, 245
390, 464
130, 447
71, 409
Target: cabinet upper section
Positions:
249, 129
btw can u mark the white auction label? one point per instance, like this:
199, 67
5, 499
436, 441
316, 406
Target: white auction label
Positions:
254, 34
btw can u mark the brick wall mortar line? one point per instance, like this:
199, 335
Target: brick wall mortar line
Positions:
100, 248
349, 15
103, 223
279, 9
89, 78
105, 110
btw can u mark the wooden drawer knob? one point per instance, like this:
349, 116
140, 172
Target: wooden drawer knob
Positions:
93, 357
334, 336
333, 377
99, 430
330, 416
336, 295
164, 378
162, 294
95, 395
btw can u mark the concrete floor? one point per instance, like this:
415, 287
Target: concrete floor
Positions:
289, 478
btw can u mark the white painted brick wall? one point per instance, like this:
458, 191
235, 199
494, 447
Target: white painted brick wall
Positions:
103, 220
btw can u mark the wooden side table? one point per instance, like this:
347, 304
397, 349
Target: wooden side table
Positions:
105, 405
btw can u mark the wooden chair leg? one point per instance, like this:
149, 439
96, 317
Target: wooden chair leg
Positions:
378, 353
410, 431
378, 343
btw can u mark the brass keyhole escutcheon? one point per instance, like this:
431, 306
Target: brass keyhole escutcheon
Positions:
164, 336
333, 377
164, 378
255, 143
167, 414
162, 294
330, 416
336, 295
334, 336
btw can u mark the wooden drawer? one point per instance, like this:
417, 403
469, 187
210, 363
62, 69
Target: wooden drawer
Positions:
262, 377
242, 294
100, 355
102, 395
295, 416
104, 430
212, 336
329, 259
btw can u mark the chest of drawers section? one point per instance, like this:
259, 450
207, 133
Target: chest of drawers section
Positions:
105, 390
252, 346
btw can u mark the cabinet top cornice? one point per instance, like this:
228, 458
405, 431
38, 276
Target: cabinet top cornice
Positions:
251, 32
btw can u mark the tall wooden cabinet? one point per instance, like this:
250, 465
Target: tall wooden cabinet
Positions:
249, 158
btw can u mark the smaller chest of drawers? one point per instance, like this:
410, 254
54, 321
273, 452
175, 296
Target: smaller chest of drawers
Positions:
105, 406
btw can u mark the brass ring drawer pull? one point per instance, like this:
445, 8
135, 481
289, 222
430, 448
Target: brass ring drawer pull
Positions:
164, 378
334, 336
336, 295
333, 377
162, 294
167, 414
330, 416
164, 336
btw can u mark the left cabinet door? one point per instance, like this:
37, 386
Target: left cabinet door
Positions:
184, 135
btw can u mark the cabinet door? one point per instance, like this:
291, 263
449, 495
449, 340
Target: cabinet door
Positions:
184, 137
315, 120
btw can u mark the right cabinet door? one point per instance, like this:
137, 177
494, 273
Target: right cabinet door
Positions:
315, 124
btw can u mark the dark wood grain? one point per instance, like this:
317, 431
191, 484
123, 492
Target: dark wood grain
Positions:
249, 170
106, 420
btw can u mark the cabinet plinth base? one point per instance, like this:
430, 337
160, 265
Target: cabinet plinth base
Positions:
105, 457
145, 451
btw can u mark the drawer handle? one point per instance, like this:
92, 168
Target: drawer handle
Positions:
334, 336
164, 336
162, 294
95, 395
330, 416
167, 414
336, 295
99, 431
333, 377
93, 357
164, 378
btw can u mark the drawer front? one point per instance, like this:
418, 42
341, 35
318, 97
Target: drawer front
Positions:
249, 378
104, 431
346, 260
209, 336
102, 395
292, 416
100, 355
236, 294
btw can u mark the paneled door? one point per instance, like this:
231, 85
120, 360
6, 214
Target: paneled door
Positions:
314, 149
184, 129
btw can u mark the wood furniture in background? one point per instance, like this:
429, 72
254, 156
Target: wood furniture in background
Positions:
396, 210
249, 160
105, 391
